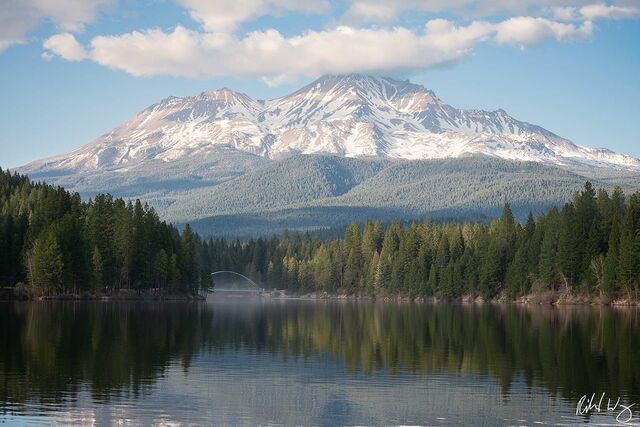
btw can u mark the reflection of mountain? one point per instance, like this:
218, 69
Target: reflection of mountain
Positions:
53, 351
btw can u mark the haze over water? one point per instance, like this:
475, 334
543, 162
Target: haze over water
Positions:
248, 361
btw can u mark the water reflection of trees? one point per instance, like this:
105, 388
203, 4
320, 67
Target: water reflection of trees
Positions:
570, 351
49, 351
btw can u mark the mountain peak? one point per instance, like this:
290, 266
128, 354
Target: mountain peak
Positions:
350, 78
365, 81
345, 114
224, 94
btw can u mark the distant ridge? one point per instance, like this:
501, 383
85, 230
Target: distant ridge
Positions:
308, 192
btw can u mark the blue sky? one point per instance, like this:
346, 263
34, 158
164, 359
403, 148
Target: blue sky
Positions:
71, 70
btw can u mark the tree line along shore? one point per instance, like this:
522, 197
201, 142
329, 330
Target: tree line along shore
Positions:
54, 244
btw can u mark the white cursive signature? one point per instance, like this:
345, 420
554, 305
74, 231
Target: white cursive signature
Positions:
588, 404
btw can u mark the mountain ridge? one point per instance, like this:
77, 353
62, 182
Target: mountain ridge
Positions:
350, 115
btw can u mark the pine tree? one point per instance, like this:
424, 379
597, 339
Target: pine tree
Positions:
610, 279
175, 276
570, 247
369, 239
388, 255
206, 280
161, 269
75, 251
98, 270
353, 252
47, 263
432, 283
470, 271
491, 271
123, 242
626, 261
592, 251
322, 269
383, 271
516, 277
534, 233
190, 271
507, 230
369, 248
371, 276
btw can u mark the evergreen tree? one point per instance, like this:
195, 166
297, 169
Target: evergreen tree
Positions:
491, 271
175, 283
372, 271
432, 283
190, 272
626, 273
353, 252
516, 277
47, 263
570, 247
610, 279
206, 280
548, 267
161, 269
98, 270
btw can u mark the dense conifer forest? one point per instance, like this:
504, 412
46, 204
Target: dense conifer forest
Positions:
590, 246
56, 243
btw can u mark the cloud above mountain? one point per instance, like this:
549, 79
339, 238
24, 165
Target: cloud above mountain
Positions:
385, 11
18, 17
276, 58
224, 15
367, 36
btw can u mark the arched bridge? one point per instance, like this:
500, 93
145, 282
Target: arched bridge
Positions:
254, 287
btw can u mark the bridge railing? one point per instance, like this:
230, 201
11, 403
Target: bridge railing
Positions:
256, 287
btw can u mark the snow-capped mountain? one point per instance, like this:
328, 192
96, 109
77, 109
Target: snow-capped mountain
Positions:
352, 115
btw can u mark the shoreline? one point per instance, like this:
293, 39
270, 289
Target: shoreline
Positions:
20, 293
549, 298
556, 299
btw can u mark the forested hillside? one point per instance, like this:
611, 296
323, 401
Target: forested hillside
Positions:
311, 192
59, 244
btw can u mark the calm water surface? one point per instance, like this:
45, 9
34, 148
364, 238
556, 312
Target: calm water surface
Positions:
244, 361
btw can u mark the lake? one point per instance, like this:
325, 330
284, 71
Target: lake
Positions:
248, 361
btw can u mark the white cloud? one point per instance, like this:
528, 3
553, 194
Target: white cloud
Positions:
225, 15
16, 20
603, 11
18, 17
217, 50
69, 15
66, 46
276, 58
564, 13
527, 30
386, 11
